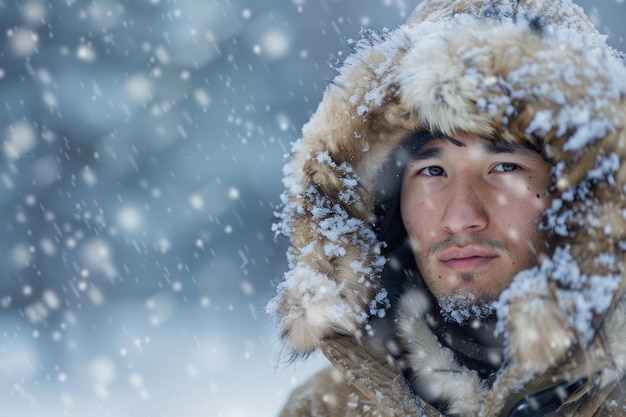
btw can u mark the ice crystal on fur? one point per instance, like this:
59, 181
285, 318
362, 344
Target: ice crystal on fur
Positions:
380, 304
582, 295
576, 205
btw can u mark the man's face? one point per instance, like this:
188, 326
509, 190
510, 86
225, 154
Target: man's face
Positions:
470, 207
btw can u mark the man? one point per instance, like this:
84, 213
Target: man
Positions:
456, 210
470, 208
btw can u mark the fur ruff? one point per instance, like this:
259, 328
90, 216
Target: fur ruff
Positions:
439, 378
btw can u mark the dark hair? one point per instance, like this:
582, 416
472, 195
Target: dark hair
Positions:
389, 226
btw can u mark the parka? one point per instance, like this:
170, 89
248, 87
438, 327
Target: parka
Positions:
531, 72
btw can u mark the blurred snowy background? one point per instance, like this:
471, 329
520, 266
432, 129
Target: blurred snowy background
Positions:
140, 165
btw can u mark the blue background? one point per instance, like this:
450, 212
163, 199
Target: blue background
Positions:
140, 167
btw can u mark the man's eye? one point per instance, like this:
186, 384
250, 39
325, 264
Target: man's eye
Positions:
432, 171
506, 167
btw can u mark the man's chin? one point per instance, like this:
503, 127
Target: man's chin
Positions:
465, 308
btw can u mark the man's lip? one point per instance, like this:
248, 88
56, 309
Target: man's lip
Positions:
460, 253
466, 259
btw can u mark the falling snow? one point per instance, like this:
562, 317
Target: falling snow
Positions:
141, 146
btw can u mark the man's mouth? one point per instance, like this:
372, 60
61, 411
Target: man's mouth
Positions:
466, 259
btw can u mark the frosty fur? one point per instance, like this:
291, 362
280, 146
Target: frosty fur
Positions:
436, 374
438, 377
546, 78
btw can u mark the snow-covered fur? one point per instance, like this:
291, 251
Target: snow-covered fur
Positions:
436, 374
439, 378
529, 71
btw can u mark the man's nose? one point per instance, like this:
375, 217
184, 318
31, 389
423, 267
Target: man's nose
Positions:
465, 211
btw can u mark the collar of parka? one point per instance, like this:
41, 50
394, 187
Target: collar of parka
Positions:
527, 71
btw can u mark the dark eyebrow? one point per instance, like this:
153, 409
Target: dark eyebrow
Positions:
435, 151
499, 147
415, 151
493, 147
429, 153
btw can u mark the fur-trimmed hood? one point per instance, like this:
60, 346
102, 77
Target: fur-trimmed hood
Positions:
527, 71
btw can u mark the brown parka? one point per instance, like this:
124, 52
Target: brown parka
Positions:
532, 72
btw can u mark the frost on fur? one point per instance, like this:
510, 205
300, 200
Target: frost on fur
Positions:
533, 308
308, 308
333, 283
436, 375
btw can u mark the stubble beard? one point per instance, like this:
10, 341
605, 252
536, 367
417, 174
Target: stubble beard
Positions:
464, 308
468, 307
